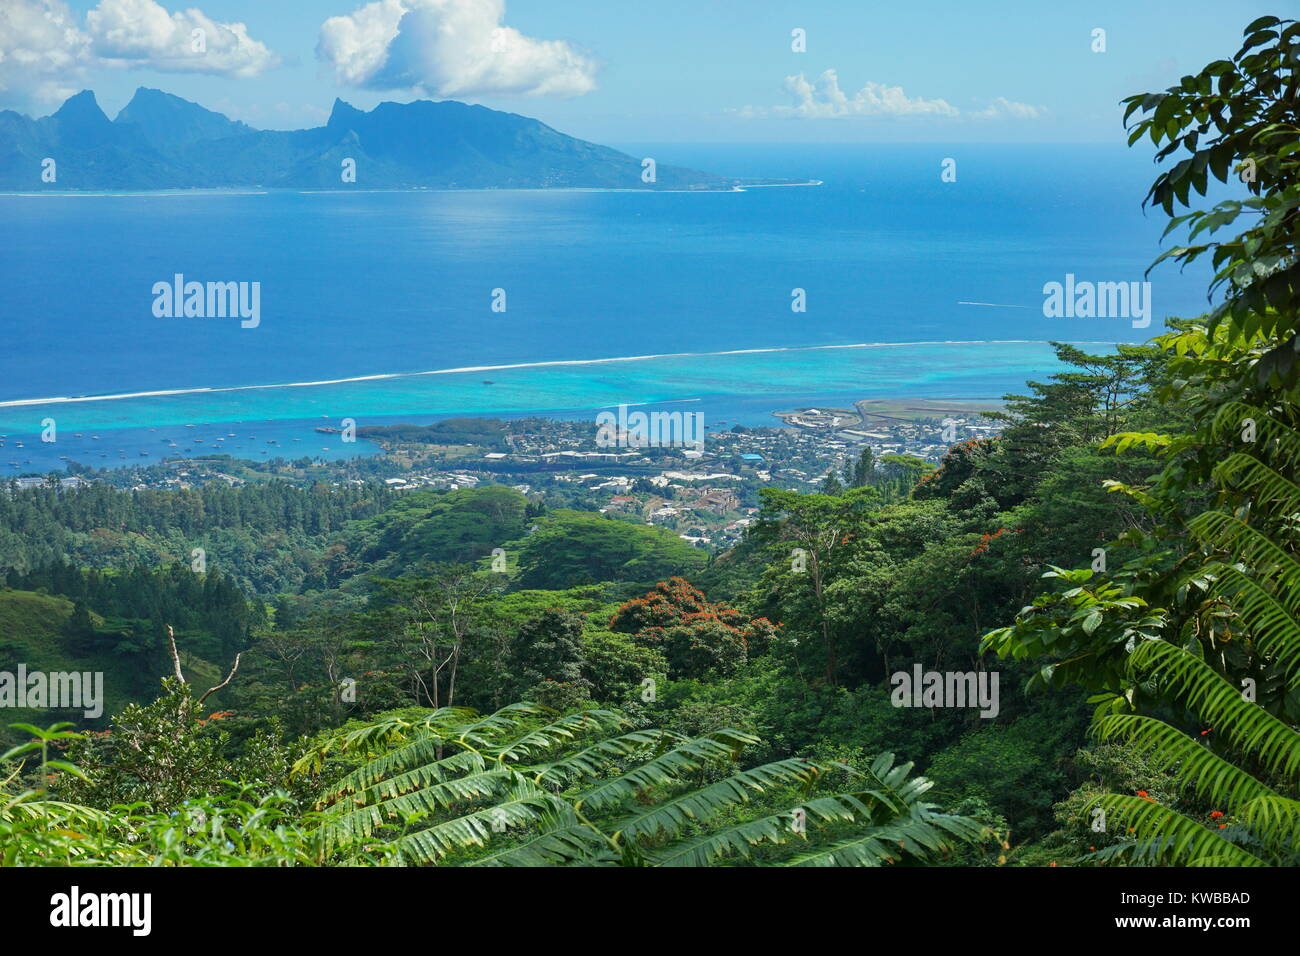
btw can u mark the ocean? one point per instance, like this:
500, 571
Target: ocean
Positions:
378, 306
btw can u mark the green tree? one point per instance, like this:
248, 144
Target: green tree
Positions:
570, 548
1194, 646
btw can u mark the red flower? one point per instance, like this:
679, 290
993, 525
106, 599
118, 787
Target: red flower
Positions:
1216, 814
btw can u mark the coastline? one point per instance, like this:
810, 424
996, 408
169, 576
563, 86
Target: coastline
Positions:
748, 387
259, 441
730, 186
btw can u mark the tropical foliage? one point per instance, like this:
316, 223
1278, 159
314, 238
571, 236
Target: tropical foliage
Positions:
588, 789
475, 677
1194, 646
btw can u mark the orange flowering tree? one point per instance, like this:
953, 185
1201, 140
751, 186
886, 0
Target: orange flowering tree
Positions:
694, 635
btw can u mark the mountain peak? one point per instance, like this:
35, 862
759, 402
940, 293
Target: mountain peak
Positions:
169, 122
343, 114
81, 109
145, 94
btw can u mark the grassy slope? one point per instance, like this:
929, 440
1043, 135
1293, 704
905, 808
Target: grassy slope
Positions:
31, 633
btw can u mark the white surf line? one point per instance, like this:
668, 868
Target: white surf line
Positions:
466, 369
997, 305
666, 401
146, 194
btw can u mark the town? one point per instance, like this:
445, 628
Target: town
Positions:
707, 492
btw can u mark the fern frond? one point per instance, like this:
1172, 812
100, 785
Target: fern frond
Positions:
599, 757
739, 839
1272, 438
1195, 766
1253, 477
417, 757
342, 822
920, 834
664, 769
702, 805
1169, 836
558, 732
431, 844
561, 840
1227, 532
1250, 728
1273, 618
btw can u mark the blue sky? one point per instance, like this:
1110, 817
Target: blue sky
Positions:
663, 71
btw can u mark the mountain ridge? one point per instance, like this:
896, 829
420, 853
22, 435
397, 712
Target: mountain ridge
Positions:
162, 141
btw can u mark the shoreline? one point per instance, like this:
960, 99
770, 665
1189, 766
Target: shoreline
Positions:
212, 442
218, 191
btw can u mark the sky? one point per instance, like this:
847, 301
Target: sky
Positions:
613, 71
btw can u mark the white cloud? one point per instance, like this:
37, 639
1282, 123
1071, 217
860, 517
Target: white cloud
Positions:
1003, 108
141, 33
449, 48
822, 98
45, 51
41, 48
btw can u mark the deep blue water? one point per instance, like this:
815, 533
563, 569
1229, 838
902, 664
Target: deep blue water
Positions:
377, 283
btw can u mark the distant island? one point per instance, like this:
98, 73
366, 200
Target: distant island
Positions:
160, 141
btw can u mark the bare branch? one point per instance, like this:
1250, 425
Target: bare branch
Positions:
229, 678
176, 657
